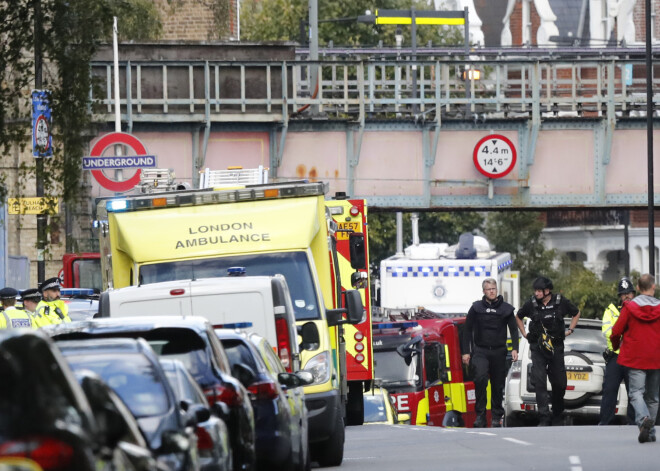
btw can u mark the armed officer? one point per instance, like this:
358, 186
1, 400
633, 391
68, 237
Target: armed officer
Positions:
546, 342
485, 336
51, 306
12, 317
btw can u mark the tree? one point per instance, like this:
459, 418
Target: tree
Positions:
280, 20
69, 33
590, 294
433, 227
519, 233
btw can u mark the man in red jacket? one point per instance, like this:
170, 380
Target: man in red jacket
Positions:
638, 333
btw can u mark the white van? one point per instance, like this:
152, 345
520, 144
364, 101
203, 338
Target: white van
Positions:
260, 304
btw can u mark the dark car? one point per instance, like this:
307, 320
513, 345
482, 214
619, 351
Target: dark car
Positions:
45, 415
212, 435
131, 369
277, 398
193, 341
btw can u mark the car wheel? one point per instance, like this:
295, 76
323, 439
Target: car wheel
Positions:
331, 451
355, 404
577, 400
511, 420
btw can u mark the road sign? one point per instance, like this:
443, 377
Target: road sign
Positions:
42, 140
42, 205
494, 156
112, 139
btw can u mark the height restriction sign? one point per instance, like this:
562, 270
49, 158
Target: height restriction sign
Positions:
494, 156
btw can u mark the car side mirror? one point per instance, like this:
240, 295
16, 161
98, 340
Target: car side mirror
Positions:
289, 380
221, 410
403, 418
173, 442
305, 377
354, 307
197, 413
310, 336
357, 250
244, 374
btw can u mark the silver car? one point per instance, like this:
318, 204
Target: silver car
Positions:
585, 368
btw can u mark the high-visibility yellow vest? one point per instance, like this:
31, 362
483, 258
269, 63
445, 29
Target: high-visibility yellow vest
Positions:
13, 318
610, 316
55, 312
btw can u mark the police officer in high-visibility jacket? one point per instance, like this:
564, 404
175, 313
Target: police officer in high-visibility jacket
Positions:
51, 306
11, 317
614, 373
31, 298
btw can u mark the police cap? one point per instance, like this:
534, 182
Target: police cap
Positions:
542, 283
50, 283
32, 294
624, 286
8, 293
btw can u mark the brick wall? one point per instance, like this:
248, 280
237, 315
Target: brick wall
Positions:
639, 18
192, 20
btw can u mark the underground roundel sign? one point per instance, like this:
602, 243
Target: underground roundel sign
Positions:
494, 156
106, 142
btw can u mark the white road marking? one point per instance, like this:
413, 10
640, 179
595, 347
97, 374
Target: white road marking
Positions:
488, 434
515, 440
575, 463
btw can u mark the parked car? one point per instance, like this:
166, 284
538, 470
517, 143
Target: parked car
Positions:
379, 408
277, 398
130, 367
192, 340
46, 417
83, 303
585, 367
212, 435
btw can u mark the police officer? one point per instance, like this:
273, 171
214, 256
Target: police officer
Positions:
485, 336
51, 306
614, 373
11, 317
546, 342
31, 298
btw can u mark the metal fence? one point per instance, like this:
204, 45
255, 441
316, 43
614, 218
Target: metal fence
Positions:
383, 86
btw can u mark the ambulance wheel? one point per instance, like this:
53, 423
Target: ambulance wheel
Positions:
355, 404
331, 451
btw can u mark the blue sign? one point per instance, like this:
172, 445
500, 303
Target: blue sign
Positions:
628, 74
126, 161
42, 139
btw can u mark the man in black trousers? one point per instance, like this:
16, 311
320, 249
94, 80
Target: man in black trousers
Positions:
485, 336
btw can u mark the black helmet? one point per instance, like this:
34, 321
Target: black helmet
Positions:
624, 286
542, 283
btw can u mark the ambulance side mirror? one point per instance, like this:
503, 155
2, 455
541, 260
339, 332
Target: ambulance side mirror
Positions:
354, 307
358, 250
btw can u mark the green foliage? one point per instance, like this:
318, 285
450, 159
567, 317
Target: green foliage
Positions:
70, 32
279, 20
585, 289
433, 227
519, 233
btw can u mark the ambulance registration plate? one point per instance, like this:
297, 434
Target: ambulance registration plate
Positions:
577, 376
348, 227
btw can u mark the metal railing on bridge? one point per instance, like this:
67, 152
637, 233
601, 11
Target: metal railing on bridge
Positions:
377, 84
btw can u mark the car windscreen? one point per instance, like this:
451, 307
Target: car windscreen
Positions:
294, 266
133, 377
586, 340
374, 409
392, 370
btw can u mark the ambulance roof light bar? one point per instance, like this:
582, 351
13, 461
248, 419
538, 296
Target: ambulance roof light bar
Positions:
215, 196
